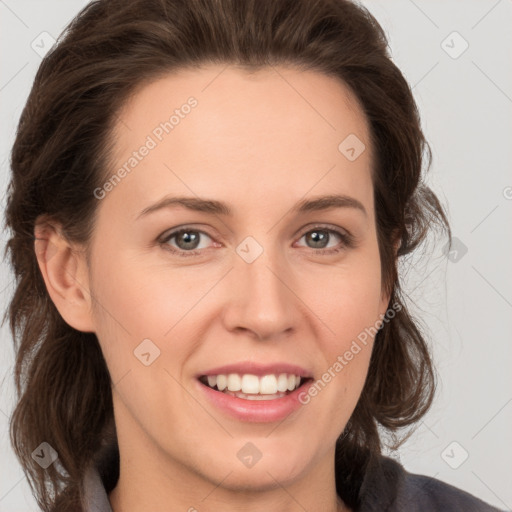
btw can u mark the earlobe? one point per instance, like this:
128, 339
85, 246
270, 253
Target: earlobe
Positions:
65, 274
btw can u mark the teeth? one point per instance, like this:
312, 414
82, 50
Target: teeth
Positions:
256, 397
249, 384
282, 382
222, 382
268, 385
234, 382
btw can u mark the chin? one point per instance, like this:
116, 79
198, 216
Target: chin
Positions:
249, 469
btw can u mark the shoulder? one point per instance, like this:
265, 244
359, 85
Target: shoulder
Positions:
437, 495
388, 486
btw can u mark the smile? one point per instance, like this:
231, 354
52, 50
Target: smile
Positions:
253, 387
254, 398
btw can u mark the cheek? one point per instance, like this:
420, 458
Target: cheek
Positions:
142, 300
348, 297
126, 308
349, 306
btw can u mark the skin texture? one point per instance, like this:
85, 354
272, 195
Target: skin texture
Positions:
260, 142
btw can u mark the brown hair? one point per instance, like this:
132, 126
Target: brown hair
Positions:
61, 154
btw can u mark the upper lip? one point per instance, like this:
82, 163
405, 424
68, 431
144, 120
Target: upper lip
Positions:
255, 368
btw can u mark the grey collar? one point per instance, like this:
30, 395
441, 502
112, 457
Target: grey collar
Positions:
95, 495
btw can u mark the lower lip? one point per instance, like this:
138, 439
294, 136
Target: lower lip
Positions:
255, 410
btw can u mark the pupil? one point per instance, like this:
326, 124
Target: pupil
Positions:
188, 239
319, 236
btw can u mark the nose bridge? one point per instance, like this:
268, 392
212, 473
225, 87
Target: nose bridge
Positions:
264, 303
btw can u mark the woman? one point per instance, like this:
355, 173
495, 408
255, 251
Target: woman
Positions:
208, 204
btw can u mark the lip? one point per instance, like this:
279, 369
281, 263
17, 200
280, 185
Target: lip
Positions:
259, 369
256, 411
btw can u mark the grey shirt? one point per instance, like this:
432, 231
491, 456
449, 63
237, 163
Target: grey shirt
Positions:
385, 486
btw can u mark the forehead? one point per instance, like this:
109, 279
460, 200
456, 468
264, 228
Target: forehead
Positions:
222, 131
229, 97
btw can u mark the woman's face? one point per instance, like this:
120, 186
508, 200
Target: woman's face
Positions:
257, 286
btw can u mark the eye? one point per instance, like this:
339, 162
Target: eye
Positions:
320, 236
187, 240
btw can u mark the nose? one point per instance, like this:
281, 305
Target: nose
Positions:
262, 300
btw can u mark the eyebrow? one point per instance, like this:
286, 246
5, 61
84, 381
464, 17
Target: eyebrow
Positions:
215, 207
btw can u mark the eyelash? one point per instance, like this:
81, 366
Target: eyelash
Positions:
347, 241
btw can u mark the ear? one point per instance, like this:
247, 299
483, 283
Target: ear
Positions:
65, 273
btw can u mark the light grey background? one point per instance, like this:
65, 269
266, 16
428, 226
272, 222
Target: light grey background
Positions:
465, 300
